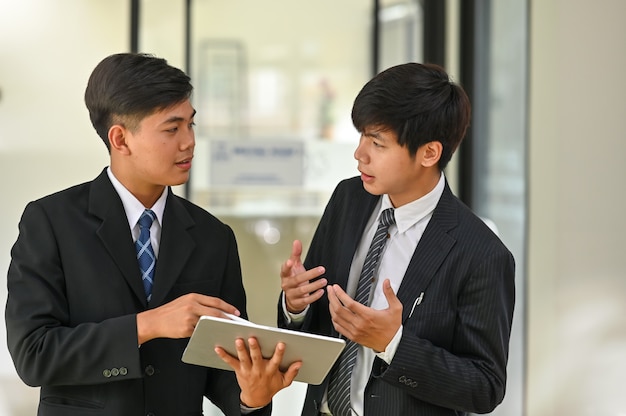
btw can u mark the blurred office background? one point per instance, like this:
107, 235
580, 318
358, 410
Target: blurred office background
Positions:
274, 83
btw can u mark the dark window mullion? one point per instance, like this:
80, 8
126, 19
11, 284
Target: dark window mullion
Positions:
466, 69
134, 26
434, 12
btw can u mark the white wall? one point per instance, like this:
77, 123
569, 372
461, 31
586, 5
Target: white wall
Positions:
47, 51
576, 250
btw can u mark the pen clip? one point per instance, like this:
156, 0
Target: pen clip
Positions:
417, 302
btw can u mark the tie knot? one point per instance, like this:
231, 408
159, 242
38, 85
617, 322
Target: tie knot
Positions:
146, 219
387, 218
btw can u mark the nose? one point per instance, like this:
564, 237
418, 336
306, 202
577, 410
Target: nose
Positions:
189, 141
359, 152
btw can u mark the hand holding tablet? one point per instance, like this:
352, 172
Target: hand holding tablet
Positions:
317, 353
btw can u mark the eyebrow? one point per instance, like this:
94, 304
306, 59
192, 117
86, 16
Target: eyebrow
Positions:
375, 134
177, 119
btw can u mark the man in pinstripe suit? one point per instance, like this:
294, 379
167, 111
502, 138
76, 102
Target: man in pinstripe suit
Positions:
434, 335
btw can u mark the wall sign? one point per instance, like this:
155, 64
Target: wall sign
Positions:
256, 163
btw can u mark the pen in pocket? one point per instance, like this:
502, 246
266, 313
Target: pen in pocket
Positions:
417, 302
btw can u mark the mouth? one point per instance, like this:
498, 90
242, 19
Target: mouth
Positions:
185, 163
365, 177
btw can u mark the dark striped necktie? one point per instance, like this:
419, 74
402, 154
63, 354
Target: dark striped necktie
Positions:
339, 385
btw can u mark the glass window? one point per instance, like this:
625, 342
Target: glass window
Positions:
274, 85
401, 32
498, 149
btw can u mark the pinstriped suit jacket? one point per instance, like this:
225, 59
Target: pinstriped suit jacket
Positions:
454, 348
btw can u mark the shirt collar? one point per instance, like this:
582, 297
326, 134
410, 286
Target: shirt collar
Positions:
410, 214
132, 206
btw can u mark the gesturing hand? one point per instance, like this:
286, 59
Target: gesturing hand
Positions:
259, 378
296, 283
366, 326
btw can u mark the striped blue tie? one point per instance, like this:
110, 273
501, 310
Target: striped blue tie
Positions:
145, 253
338, 394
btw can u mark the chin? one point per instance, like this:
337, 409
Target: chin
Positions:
178, 180
372, 189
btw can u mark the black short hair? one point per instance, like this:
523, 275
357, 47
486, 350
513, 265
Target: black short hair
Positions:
419, 103
125, 88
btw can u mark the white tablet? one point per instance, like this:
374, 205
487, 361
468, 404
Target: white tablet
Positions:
317, 353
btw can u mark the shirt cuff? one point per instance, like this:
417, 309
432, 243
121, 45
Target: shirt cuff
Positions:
294, 319
245, 410
392, 347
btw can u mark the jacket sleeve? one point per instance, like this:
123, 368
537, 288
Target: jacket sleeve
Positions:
45, 348
314, 257
466, 368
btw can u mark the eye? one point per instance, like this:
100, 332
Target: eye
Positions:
376, 143
193, 123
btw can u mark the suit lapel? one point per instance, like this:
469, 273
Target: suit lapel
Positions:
105, 203
354, 233
175, 248
430, 253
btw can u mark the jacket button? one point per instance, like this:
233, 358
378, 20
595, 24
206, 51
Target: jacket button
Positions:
123, 371
149, 370
106, 373
115, 372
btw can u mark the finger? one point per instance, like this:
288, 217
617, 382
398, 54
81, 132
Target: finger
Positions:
285, 268
337, 310
311, 286
313, 297
279, 353
344, 311
255, 350
227, 358
291, 373
242, 353
293, 265
290, 268
217, 303
298, 298
296, 250
301, 280
390, 295
332, 297
344, 298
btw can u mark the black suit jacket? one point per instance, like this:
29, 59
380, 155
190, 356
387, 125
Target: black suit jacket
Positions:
454, 348
74, 289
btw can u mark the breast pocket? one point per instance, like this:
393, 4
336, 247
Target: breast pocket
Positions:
434, 322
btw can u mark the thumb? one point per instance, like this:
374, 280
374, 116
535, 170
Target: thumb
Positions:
291, 373
390, 295
296, 249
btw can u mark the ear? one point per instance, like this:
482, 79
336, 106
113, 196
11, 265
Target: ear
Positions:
431, 153
117, 139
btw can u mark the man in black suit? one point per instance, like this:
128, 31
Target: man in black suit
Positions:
99, 336
431, 337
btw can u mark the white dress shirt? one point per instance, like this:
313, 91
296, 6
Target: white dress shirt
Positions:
134, 209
